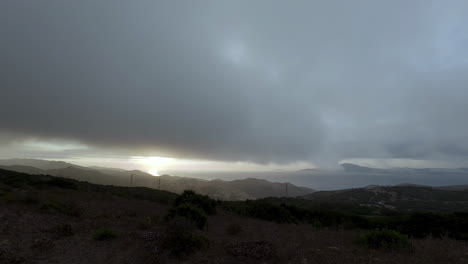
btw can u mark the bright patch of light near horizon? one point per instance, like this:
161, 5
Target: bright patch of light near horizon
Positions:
169, 165
150, 163
153, 171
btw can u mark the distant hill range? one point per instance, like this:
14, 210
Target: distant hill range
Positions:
249, 188
353, 168
401, 197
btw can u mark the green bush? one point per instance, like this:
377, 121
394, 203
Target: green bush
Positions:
204, 202
386, 239
180, 238
104, 234
190, 212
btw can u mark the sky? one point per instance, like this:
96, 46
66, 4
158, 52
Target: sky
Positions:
235, 85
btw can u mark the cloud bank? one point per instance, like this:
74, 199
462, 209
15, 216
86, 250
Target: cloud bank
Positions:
257, 81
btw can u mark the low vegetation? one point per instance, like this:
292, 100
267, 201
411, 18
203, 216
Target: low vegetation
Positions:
189, 211
386, 239
284, 213
284, 226
181, 238
204, 202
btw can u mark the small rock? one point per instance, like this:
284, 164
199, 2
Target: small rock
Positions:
334, 249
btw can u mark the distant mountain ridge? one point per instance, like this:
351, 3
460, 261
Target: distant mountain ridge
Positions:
406, 197
225, 190
353, 168
37, 163
349, 167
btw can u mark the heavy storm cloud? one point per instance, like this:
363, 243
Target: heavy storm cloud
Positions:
256, 81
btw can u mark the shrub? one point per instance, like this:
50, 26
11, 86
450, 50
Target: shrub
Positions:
180, 238
387, 239
267, 211
104, 234
204, 202
190, 212
62, 183
234, 229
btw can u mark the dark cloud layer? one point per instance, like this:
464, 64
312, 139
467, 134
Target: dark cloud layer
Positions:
261, 81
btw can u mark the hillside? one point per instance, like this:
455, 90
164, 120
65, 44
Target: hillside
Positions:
219, 189
54, 220
400, 197
37, 163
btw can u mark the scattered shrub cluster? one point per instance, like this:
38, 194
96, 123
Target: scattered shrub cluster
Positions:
418, 225
193, 207
21, 180
261, 210
204, 202
181, 239
421, 225
385, 239
190, 212
12, 179
141, 193
292, 214
62, 183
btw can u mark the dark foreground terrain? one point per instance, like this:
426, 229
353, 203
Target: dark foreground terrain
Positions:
53, 220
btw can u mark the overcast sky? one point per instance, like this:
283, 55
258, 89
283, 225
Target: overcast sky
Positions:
256, 82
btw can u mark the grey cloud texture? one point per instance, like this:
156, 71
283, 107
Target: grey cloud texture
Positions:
260, 81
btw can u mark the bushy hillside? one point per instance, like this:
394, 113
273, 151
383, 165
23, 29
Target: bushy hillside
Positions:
47, 219
397, 198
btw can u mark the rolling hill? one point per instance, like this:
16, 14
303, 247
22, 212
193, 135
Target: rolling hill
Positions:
400, 197
224, 190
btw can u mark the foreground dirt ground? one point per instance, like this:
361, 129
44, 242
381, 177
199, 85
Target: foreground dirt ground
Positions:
31, 233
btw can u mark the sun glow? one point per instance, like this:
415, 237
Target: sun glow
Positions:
153, 171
